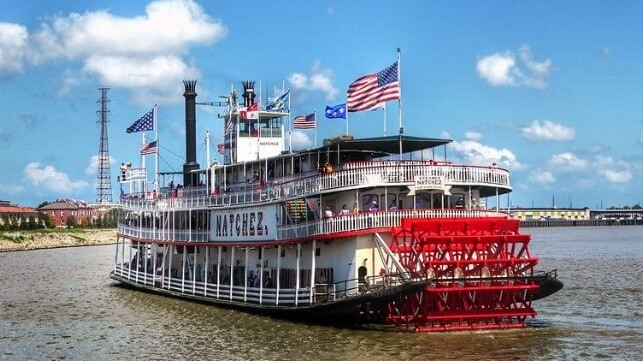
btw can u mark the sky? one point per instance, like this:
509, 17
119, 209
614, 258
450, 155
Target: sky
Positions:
550, 90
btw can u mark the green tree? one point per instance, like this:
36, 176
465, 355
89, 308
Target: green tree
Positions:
71, 222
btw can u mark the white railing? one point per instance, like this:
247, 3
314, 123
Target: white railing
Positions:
350, 175
338, 224
161, 234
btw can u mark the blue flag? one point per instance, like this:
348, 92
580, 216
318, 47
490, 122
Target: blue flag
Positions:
338, 111
279, 104
146, 122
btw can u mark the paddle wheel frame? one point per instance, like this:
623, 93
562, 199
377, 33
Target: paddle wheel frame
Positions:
481, 272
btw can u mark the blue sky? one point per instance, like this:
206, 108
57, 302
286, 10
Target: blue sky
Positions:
550, 90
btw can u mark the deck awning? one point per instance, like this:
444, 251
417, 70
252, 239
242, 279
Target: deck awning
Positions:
385, 145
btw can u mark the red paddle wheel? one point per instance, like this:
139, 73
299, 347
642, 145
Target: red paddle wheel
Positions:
481, 271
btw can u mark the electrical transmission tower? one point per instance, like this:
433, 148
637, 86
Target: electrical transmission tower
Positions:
104, 182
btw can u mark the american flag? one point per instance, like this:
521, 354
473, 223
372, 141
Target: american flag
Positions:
228, 126
373, 90
149, 148
304, 121
146, 122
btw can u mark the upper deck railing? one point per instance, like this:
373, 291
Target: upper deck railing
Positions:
335, 225
349, 175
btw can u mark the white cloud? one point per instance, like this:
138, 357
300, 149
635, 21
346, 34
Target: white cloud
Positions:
301, 141
498, 69
49, 178
568, 162
146, 54
541, 177
11, 189
92, 168
548, 130
476, 153
509, 69
475, 136
319, 80
613, 171
13, 46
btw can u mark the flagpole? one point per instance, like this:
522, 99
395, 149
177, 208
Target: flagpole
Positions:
290, 127
143, 161
346, 118
399, 102
207, 159
315, 127
156, 160
384, 109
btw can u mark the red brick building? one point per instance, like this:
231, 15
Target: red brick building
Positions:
13, 212
61, 209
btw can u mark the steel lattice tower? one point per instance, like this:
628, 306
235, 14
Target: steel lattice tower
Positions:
104, 182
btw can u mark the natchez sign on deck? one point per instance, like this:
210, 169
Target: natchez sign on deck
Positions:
244, 224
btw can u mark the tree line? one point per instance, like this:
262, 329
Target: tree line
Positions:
45, 221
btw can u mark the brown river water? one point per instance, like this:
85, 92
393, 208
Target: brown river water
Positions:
60, 304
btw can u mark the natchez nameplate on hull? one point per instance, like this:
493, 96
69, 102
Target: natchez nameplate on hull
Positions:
254, 224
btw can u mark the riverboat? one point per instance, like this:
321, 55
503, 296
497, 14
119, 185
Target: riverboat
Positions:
372, 230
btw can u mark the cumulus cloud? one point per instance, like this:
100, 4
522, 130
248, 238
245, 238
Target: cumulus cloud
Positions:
548, 130
145, 53
319, 79
613, 171
475, 152
301, 141
568, 162
542, 177
13, 47
92, 168
49, 178
475, 136
511, 69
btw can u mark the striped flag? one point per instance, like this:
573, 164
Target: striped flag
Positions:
373, 90
305, 121
149, 148
228, 126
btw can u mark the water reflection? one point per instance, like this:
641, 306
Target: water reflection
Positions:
60, 303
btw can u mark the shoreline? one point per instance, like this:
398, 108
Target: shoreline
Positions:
31, 240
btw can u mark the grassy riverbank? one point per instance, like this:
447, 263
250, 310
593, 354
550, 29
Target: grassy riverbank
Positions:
39, 239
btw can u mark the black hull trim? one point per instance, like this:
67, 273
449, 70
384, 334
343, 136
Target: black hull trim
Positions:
363, 308
548, 284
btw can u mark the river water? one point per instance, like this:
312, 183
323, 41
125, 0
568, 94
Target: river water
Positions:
60, 304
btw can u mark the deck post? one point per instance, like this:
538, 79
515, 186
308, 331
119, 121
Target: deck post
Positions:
232, 248
312, 269
245, 276
297, 275
205, 270
169, 284
219, 260
185, 252
278, 274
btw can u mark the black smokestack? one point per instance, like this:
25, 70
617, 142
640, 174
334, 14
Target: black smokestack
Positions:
190, 178
248, 92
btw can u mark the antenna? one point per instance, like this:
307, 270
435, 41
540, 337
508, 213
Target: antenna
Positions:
103, 181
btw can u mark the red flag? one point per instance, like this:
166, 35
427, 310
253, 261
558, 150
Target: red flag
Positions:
251, 112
